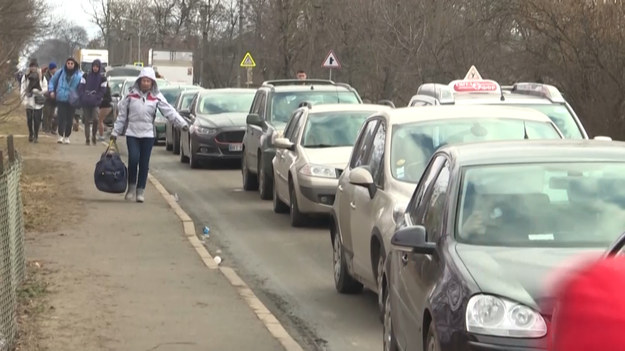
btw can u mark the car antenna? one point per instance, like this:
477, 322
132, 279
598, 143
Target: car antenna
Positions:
525, 136
502, 97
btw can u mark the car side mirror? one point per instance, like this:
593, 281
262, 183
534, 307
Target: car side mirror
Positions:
284, 143
254, 119
185, 113
362, 177
414, 239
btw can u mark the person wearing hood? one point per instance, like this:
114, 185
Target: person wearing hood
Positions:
33, 86
137, 112
64, 89
50, 105
91, 91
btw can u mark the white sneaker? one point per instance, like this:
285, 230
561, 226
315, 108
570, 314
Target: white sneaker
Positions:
66, 140
60, 140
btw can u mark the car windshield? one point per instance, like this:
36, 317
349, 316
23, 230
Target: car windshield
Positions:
542, 205
283, 104
333, 129
226, 102
171, 94
561, 116
116, 86
413, 144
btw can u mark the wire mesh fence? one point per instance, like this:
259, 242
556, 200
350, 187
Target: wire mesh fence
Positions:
12, 260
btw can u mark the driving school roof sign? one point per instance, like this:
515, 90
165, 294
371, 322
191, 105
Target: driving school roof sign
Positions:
473, 74
483, 86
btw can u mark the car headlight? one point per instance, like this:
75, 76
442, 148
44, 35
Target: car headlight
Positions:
202, 130
318, 171
491, 315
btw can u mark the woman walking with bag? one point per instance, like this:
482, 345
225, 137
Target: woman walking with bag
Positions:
91, 90
64, 88
33, 86
137, 112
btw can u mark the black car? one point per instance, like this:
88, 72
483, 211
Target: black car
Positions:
486, 225
182, 104
217, 118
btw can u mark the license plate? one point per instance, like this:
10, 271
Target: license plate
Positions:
235, 147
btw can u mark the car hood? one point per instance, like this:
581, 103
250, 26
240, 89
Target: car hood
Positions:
336, 157
518, 273
223, 120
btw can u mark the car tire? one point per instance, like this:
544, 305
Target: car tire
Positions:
343, 281
250, 180
278, 205
389, 341
380, 282
183, 158
176, 142
264, 186
431, 340
194, 163
298, 219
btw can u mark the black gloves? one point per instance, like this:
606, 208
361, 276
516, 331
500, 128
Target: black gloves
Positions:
185, 128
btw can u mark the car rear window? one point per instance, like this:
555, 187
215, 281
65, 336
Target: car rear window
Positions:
283, 104
561, 116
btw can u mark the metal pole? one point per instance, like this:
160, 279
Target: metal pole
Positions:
330, 73
239, 40
139, 47
202, 46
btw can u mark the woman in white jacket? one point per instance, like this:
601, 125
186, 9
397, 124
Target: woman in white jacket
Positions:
135, 119
34, 86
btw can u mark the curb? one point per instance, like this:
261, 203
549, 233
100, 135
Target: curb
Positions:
266, 317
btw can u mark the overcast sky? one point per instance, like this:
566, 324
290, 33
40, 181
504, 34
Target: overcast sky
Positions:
77, 11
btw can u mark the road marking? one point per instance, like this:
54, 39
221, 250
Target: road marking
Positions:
266, 317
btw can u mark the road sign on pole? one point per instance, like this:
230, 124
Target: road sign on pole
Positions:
248, 61
331, 61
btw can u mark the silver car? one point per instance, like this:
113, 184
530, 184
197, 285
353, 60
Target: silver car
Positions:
387, 162
310, 157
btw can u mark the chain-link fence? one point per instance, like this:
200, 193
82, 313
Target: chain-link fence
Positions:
12, 261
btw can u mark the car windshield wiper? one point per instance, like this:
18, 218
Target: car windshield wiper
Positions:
319, 145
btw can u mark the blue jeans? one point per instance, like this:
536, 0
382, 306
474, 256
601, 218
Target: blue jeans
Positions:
139, 151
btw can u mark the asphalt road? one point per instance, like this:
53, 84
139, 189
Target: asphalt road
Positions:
289, 269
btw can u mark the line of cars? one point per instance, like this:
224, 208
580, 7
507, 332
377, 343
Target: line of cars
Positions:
443, 208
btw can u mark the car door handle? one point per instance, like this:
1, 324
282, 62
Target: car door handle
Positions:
352, 205
404, 258
340, 188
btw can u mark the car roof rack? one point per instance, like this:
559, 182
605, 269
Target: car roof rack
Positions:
545, 91
277, 82
441, 92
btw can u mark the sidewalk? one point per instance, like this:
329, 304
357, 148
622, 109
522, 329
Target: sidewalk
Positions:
127, 278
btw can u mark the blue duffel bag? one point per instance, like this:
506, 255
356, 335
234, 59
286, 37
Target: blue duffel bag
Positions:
111, 174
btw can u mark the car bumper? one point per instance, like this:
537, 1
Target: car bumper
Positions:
473, 342
217, 146
317, 194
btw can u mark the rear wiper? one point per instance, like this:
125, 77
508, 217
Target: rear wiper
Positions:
319, 145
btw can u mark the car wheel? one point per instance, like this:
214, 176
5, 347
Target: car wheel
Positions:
176, 142
250, 181
343, 281
380, 283
278, 205
183, 158
168, 143
431, 341
264, 186
389, 342
298, 219
193, 160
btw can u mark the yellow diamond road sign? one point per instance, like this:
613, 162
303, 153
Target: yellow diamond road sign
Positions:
248, 61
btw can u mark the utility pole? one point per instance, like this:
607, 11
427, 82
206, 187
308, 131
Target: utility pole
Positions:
203, 13
139, 45
239, 41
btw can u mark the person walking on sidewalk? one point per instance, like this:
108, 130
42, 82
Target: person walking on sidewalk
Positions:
137, 112
33, 86
105, 108
91, 91
50, 105
64, 89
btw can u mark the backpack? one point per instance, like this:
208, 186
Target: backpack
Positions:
111, 174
